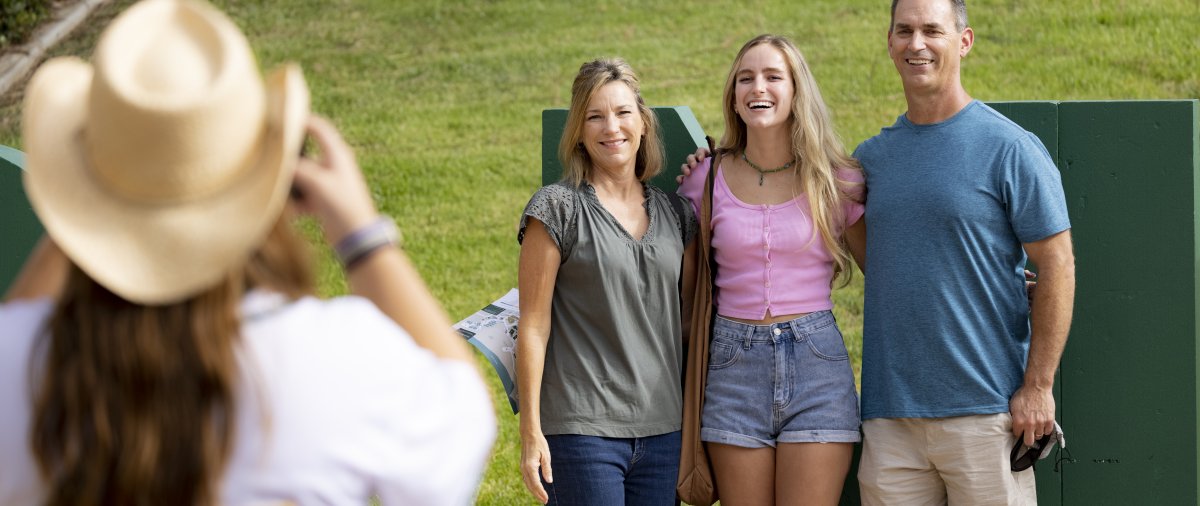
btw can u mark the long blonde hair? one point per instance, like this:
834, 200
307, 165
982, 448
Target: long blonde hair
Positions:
592, 76
816, 147
136, 404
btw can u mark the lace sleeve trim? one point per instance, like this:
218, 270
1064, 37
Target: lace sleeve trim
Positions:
554, 206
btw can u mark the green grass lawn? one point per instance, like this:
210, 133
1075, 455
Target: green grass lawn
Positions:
443, 99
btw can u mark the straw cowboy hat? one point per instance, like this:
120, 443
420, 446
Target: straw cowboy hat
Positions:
160, 167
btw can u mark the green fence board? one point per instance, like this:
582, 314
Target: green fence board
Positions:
1129, 385
20, 227
1040, 118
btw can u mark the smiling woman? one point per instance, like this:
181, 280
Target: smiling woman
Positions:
613, 130
608, 88
600, 348
780, 236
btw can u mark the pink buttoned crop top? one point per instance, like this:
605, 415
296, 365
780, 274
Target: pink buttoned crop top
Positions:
765, 260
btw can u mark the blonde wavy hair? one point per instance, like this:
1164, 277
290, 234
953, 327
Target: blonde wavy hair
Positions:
816, 147
592, 76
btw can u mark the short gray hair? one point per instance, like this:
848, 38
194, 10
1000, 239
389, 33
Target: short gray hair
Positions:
960, 14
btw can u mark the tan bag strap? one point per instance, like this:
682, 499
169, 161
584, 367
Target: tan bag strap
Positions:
696, 484
706, 211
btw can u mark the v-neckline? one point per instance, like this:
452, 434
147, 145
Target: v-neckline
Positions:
591, 193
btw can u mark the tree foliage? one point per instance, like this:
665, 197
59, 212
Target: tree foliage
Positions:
18, 18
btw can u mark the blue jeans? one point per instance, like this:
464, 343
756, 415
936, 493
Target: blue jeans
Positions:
608, 471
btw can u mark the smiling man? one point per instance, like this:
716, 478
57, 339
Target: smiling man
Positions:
957, 365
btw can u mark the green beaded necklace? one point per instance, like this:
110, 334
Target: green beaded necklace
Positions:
763, 172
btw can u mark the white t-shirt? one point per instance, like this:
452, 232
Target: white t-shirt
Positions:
335, 404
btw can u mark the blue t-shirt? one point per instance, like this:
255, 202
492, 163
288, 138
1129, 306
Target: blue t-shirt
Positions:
946, 317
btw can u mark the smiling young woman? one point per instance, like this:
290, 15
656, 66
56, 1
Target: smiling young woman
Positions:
786, 209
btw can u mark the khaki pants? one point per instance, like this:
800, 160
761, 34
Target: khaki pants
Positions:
960, 460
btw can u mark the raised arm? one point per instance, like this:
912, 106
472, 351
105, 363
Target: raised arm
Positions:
536, 275
333, 190
1032, 406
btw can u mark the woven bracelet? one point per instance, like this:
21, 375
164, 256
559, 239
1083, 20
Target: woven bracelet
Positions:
362, 242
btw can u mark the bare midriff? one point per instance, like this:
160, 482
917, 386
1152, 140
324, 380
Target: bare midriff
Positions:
768, 320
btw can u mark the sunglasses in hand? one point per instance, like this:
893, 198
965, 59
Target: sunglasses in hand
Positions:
1023, 457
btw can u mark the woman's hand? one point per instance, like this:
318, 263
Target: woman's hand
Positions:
535, 456
537, 272
331, 187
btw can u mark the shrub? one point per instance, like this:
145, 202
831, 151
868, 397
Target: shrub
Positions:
19, 17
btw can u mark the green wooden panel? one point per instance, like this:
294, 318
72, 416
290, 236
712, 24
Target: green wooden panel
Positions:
19, 227
681, 135
553, 122
1129, 384
1041, 118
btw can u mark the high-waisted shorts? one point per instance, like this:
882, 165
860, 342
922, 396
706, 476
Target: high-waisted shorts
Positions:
787, 382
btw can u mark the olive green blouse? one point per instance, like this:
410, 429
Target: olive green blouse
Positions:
615, 351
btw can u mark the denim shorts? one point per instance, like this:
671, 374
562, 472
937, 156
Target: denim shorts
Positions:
787, 382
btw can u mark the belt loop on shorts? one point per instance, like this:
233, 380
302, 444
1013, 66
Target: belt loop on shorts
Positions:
797, 335
747, 336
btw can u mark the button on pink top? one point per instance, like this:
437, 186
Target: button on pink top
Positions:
769, 257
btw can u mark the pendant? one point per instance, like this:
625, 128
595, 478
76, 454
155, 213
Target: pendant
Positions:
760, 178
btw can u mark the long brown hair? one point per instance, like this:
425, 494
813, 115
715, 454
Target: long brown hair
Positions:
135, 404
816, 147
592, 76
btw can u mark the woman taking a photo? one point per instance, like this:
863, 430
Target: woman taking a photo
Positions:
163, 345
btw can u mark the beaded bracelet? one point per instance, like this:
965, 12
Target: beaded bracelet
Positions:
362, 242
